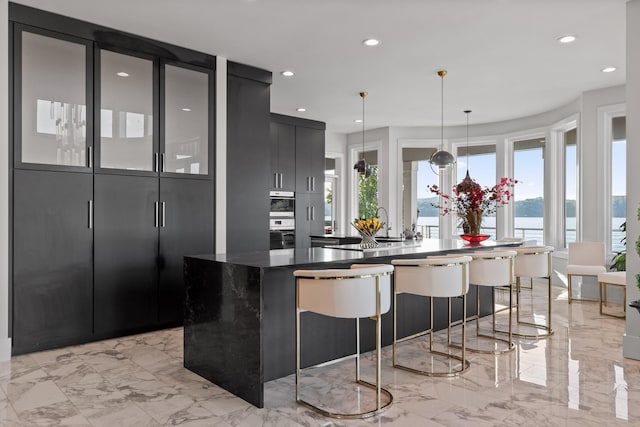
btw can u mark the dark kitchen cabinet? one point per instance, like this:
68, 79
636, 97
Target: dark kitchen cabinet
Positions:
52, 259
309, 218
126, 249
98, 237
248, 153
186, 228
283, 157
309, 160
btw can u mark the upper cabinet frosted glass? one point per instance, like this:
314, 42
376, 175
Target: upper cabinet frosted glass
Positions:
54, 104
126, 112
186, 121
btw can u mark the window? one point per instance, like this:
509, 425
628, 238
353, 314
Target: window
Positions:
528, 169
368, 188
418, 213
618, 183
330, 196
570, 186
480, 162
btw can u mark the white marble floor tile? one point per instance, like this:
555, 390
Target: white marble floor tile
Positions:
576, 377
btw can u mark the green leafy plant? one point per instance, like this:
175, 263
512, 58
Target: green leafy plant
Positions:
619, 260
368, 195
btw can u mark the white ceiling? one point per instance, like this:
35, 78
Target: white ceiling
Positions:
502, 56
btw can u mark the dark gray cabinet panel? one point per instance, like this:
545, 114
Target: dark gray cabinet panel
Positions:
283, 157
126, 249
309, 218
52, 260
248, 173
309, 160
186, 228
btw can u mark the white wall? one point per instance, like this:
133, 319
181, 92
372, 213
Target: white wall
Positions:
631, 342
5, 341
221, 155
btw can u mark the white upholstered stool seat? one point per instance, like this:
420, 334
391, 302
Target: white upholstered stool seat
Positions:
585, 259
613, 278
444, 277
533, 262
493, 269
362, 291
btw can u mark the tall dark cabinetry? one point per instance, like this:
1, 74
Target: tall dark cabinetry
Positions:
52, 259
112, 179
126, 246
283, 157
248, 171
304, 142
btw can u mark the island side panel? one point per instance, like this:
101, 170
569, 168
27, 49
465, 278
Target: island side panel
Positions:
222, 326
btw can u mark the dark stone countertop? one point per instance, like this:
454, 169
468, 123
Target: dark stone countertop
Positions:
349, 253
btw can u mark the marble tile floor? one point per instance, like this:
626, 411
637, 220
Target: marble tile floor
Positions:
576, 377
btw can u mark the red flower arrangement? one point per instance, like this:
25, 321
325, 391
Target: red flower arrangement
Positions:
470, 201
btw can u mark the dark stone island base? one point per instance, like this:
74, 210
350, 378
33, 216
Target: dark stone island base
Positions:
239, 327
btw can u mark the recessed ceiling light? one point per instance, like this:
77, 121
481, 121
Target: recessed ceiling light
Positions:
370, 42
123, 74
287, 73
358, 120
567, 39
301, 109
608, 69
186, 109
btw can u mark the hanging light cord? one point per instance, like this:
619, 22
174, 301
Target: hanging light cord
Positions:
442, 112
363, 94
467, 113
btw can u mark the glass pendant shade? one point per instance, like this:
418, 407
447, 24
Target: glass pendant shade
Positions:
441, 159
364, 170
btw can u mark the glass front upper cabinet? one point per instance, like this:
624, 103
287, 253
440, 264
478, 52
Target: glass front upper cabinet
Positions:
53, 96
126, 112
186, 121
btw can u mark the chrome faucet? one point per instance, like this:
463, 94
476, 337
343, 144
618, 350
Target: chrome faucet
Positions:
387, 226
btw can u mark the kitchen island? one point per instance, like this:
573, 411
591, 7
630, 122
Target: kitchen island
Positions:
239, 325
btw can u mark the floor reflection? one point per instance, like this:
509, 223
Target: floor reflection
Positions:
576, 377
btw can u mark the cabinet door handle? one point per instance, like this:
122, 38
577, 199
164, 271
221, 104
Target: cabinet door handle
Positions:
155, 162
275, 180
164, 214
280, 180
307, 213
90, 214
90, 156
313, 183
156, 213
162, 163
308, 183
313, 213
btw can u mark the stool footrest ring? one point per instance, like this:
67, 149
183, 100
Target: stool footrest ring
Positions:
437, 374
355, 415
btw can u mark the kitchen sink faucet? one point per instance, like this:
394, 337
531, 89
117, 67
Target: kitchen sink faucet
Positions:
387, 225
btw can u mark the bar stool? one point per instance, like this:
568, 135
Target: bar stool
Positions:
533, 262
362, 291
493, 269
432, 277
613, 278
585, 259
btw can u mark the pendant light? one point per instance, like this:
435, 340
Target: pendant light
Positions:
364, 170
442, 161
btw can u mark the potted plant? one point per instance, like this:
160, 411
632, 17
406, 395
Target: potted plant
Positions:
636, 304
